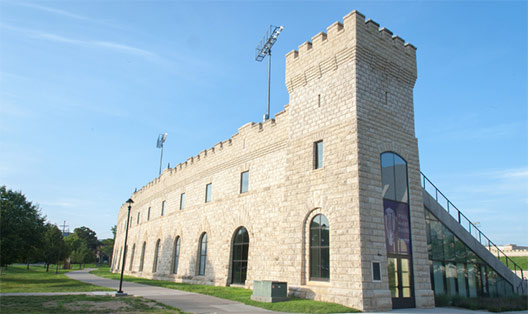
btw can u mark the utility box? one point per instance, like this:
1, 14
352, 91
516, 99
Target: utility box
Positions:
269, 291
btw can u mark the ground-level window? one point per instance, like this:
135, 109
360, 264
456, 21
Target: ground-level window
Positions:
156, 253
455, 269
142, 258
176, 255
202, 260
319, 248
240, 256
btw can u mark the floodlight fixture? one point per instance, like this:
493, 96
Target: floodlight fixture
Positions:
264, 49
159, 144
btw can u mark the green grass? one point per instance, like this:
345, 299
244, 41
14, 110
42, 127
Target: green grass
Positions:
82, 304
294, 305
16, 278
521, 261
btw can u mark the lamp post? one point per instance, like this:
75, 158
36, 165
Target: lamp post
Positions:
120, 291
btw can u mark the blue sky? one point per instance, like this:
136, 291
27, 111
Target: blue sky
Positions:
87, 86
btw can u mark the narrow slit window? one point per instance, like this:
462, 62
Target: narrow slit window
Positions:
244, 182
162, 208
318, 155
182, 201
208, 190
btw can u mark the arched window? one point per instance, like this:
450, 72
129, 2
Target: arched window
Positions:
132, 257
240, 256
202, 254
397, 229
156, 253
394, 177
142, 259
320, 248
176, 255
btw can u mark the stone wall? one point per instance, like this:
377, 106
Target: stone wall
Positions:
351, 88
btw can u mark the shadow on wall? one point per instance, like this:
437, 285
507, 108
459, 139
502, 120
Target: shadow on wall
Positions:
165, 265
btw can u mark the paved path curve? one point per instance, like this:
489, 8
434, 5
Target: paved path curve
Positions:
185, 301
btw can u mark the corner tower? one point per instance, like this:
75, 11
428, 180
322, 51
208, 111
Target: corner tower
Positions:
351, 88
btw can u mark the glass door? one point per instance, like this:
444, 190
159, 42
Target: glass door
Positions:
400, 282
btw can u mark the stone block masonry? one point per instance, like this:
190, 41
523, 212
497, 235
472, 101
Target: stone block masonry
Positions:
350, 88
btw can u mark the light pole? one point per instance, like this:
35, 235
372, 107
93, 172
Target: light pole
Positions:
120, 291
264, 49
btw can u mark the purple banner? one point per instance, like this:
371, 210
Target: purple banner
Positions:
397, 232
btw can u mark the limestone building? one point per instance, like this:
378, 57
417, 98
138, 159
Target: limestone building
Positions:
327, 196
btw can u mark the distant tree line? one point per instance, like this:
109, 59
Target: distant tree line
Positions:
26, 237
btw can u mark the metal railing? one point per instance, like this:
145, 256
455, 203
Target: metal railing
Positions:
469, 226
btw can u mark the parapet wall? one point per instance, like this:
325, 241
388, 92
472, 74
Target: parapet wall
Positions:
327, 51
218, 148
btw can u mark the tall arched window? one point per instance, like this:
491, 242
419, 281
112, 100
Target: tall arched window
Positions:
156, 253
176, 255
132, 257
142, 259
202, 254
240, 256
320, 248
395, 192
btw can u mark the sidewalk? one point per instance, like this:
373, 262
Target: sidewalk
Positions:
185, 301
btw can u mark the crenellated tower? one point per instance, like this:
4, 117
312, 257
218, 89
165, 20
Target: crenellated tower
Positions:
352, 89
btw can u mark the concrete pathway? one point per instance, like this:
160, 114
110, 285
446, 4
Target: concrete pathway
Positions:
185, 301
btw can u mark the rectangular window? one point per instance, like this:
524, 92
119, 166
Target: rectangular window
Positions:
137, 219
376, 271
318, 155
244, 182
162, 208
182, 201
208, 188
148, 214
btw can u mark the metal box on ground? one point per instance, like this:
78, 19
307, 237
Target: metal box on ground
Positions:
269, 291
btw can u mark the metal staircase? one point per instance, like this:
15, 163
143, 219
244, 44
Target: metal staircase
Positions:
433, 195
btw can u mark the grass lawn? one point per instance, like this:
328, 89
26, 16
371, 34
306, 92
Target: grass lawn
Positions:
82, 304
521, 261
16, 278
294, 305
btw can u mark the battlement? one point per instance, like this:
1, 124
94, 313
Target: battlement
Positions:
342, 42
247, 130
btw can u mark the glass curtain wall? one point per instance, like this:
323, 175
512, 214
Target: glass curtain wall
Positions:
455, 269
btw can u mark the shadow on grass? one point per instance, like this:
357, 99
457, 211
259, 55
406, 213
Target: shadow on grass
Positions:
293, 305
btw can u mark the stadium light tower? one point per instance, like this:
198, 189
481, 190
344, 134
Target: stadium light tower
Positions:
159, 144
264, 49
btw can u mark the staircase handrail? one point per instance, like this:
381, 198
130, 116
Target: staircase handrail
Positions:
481, 235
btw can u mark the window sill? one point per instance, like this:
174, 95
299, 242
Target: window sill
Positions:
324, 283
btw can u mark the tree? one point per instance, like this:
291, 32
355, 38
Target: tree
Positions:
54, 249
106, 249
21, 227
88, 236
82, 255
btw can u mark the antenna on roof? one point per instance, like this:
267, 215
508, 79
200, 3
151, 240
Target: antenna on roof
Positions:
159, 144
263, 49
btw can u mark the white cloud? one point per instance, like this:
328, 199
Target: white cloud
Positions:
115, 46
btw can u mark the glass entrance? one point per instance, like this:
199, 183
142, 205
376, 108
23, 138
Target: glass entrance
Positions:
240, 257
400, 282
